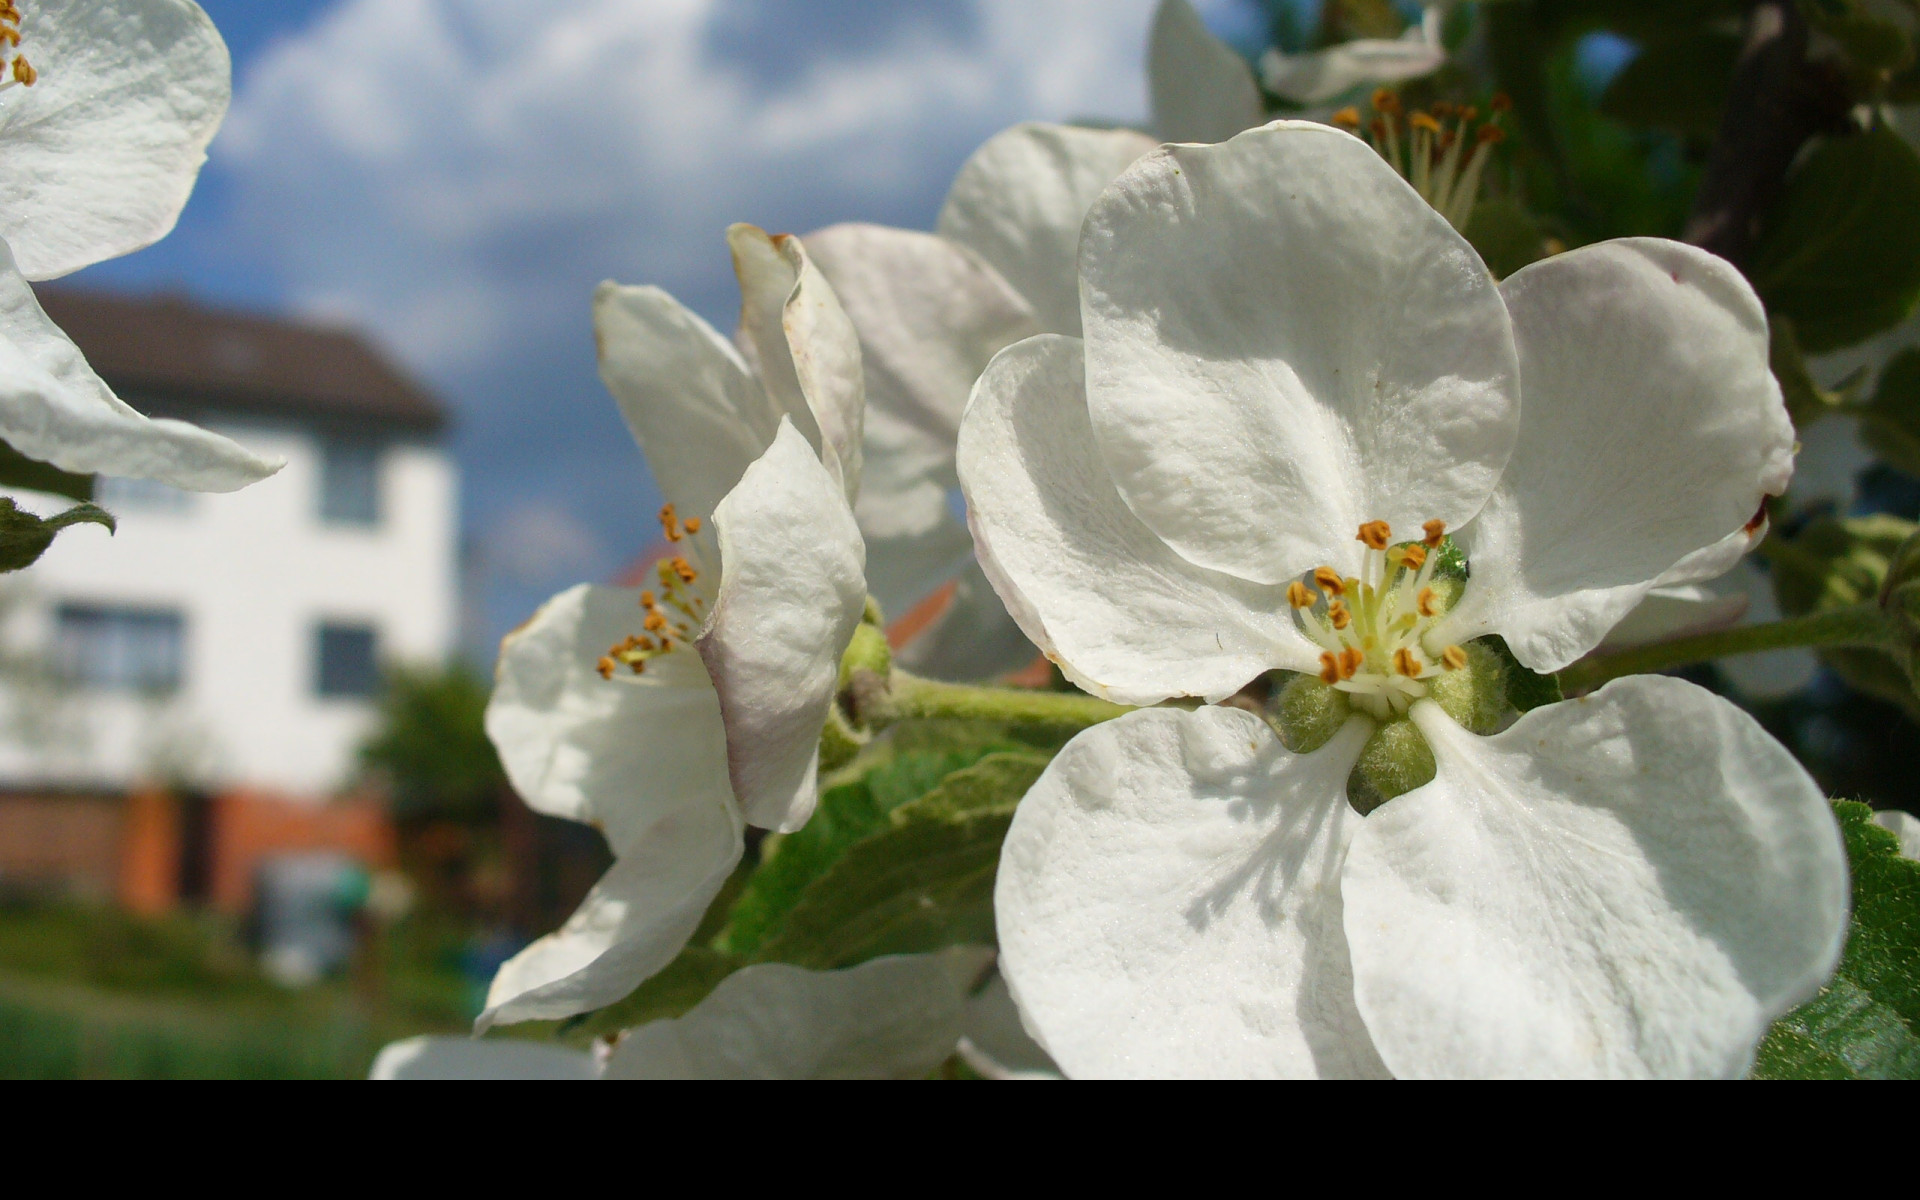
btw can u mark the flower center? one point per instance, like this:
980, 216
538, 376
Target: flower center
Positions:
14, 67
1440, 151
1372, 628
674, 612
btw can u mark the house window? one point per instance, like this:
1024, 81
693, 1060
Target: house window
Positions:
350, 482
132, 649
347, 665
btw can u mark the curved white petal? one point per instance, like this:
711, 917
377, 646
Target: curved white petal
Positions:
1631, 884
1169, 905
634, 921
1670, 612
974, 637
1652, 429
1284, 341
697, 411
55, 409
1321, 75
1903, 825
995, 1043
102, 151
1203, 91
472, 1058
805, 350
615, 753
889, 1018
1122, 612
792, 589
1019, 201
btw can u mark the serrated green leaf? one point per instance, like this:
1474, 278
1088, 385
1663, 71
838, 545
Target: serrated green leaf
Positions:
1865, 1024
25, 537
845, 815
1678, 83
1841, 255
923, 883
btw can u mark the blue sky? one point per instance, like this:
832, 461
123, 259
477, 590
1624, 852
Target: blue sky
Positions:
454, 176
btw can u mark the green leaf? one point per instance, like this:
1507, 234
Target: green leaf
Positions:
1678, 83
673, 990
846, 814
19, 471
1841, 256
922, 883
1870, 41
1865, 1024
1890, 422
1505, 234
1836, 564
1526, 690
25, 537
1806, 400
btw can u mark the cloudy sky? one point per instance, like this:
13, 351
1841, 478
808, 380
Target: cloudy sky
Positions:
454, 176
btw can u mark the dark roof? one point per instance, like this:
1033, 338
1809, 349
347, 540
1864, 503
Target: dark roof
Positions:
166, 353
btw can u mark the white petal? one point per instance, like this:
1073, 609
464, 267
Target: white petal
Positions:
103, 149
617, 753
1903, 825
696, 410
1364, 62
1284, 341
889, 1018
1203, 91
633, 922
995, 1043
471, 1058
55, 409
1631, 884
791, 592
1652, 429
1670, 612
1169, 905
1123, 614
1019, 201
805, 350
973, 637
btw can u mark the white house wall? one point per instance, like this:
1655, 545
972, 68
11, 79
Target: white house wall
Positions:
254, 573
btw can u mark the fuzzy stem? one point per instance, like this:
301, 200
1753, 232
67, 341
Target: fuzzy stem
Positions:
1855, 625
879, 703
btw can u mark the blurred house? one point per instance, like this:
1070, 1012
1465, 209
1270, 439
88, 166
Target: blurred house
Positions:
224, 649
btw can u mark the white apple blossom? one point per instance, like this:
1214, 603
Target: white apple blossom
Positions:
669, 716
931, 310
1320, 75
888, 1018
1202, 90
1290, 364
106, 109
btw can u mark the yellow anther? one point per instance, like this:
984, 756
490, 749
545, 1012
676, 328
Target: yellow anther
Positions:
655, 623
1376, 535
1407, 663
1428, 602
1346, 118
1422, 120
1329, 669
1492, 135
1454, 657
1300, 595
1329, 581
670, 523
1350, 662
606, 668
1338, 615
1501, 102
692, 524
1436, 530
684, 570
1412, 556
647, 600
1385, 100
23, 72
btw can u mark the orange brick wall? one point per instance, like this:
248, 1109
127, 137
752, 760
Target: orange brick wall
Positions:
249, 826
66, 841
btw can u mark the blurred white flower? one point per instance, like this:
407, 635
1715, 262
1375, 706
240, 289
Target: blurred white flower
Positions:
1202, 90
106, 110
1321, 75
1903, 825
1631, 883
671, 715
889, 1018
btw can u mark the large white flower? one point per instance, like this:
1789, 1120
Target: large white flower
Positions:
889, 1018
102, 148
932, 309
1291, 363
668, 716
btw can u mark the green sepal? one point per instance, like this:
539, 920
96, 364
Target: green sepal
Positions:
1395, 760
25, 537
1526, 690
922, 882
1308, 713
1841, 255
1865, 1024
19, 471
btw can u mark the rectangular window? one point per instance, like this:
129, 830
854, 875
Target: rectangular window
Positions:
350, 482
348, 665
131, 649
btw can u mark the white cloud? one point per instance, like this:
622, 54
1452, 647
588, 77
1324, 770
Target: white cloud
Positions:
456, 173
540, 545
